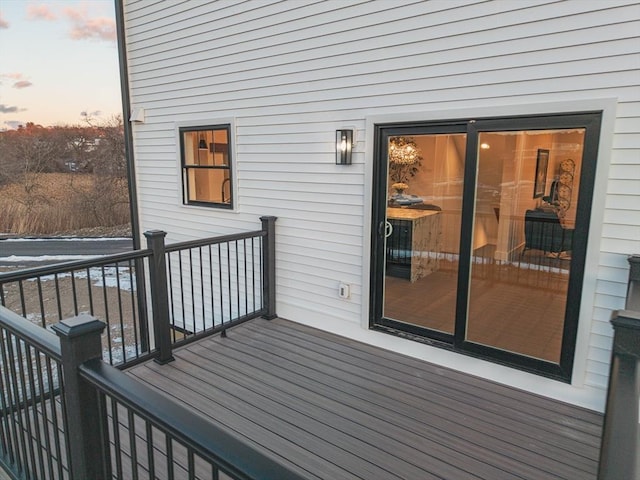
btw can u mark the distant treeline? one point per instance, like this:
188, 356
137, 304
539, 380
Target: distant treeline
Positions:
63, 178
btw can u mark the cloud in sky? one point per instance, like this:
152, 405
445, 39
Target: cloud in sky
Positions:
22, 84
7, 109
14, 76
3, 22
83, 27
40, 12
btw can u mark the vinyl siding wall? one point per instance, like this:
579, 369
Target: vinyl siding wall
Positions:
289, 73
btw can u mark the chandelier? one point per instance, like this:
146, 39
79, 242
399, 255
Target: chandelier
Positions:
404, 151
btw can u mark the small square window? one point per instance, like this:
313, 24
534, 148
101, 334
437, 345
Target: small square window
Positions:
206, 166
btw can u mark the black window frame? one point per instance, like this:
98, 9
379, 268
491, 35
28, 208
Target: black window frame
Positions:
185, 168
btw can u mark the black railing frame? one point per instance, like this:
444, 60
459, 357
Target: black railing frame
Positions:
269, 266
158, 318
159, 295
619, 450
85, 416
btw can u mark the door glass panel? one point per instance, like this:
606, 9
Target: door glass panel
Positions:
525, 211
423, 218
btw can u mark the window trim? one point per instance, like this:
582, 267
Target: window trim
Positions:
184, 168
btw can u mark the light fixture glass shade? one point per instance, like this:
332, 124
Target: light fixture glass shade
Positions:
404, 151
344, 146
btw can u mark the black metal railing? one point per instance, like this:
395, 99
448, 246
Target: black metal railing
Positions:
66, 414
620, 448
195, 289
105, 287
33, 441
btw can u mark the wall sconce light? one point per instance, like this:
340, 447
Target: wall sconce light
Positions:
344, 146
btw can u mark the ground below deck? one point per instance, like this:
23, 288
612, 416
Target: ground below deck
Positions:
333, 408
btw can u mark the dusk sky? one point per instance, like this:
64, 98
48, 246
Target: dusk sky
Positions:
58, 59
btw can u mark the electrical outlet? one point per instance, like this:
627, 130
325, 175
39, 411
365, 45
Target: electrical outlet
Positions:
344, 290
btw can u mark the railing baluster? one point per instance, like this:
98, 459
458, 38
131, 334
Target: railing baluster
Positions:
133, 449
229, 280
33, 406
58, 297
220, 283
5, 435
45, 416
181, 276
23, 306
191, 287
246, 279
137, 326
204, 324
90, 291
173, 312
213, 309
238, 314
74, 293
120, 314
7, 393
116, 438
169, 448
191, 468
23, 403
12, 357
43, 315
106, 318
54, 414
150, 451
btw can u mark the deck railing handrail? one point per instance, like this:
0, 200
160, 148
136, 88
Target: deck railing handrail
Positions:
202, 242
193, 431
64, 267
35, 336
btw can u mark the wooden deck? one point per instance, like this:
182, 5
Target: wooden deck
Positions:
337, 409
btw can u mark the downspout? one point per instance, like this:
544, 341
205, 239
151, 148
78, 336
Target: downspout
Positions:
128, 134
141, 289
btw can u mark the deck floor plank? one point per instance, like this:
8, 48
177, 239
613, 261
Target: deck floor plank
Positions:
394, 412
335, 408
549, 416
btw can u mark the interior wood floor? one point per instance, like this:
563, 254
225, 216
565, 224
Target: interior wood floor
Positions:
518, 307
333, 408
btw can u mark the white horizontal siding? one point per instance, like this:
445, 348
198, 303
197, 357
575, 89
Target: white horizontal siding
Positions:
291, 73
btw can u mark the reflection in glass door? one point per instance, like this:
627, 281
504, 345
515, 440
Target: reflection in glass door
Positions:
523, 225
424, 206
481, 235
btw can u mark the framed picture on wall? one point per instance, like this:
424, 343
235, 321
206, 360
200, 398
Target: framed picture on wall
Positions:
540, 183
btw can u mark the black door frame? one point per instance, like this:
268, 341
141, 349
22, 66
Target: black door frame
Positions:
591, 122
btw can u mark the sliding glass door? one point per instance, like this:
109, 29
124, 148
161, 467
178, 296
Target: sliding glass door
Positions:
481, 235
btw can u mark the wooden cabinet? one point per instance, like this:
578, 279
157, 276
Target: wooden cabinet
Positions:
413, 246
